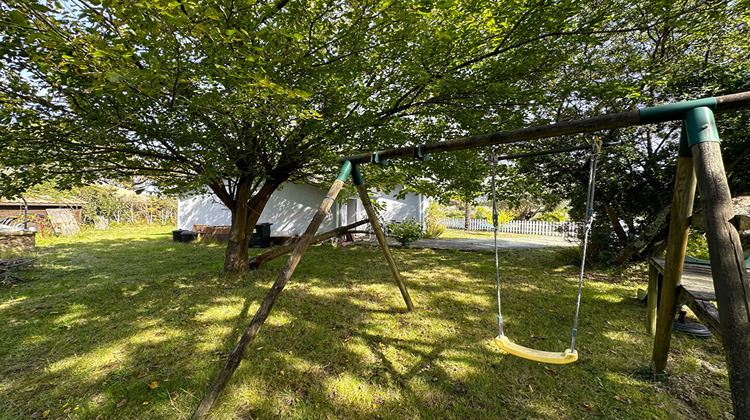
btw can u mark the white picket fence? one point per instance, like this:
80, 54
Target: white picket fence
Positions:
524, 227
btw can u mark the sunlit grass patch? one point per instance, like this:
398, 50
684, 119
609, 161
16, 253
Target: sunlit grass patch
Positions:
128, 324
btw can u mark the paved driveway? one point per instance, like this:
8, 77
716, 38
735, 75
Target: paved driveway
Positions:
484, 244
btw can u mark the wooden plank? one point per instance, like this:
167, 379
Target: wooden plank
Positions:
706, 312
63, 221
696, 278
679, 228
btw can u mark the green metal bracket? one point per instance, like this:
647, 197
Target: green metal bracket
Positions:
357, 176
671, 112
376, 159
419, 154
700, 126
346, 169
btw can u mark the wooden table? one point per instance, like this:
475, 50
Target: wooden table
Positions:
696, 290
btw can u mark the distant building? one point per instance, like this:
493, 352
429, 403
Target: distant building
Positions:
39, 206
291, 208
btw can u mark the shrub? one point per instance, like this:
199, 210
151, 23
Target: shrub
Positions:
481, 212
434, 215
405, 232
697, 246
503, 217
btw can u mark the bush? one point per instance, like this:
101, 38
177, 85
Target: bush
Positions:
697, 246
482, 213
503, 217
434, 215
405, 232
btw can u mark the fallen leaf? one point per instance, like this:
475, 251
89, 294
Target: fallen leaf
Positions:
586, 407
45, 413
153, 384
281, 373
531, 389
624, 400
144, 403
121, 403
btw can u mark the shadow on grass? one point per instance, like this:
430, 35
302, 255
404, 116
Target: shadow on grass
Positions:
103, 321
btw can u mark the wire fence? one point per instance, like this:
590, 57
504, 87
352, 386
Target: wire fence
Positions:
523, 227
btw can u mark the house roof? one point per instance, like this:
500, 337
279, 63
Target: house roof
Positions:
43, 200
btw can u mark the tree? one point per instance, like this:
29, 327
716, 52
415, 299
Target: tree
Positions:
238, 98
692, 52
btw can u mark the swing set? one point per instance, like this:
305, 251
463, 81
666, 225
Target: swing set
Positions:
569, 355
699, 163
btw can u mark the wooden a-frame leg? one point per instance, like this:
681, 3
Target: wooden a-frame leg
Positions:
679, 228
727, 260
373, 217
234, 359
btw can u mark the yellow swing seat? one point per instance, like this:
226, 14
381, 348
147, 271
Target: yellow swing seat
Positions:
558, 358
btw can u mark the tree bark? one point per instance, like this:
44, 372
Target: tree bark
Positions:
246, 211
467, 217
615, 222
259, 260
648, 239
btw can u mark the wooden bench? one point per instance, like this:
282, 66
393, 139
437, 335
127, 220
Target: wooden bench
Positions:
696, 290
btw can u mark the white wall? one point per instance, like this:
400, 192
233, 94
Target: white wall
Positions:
291, 208
411, 206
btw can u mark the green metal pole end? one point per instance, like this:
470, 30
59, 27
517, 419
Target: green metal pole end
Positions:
355, 159
357, 175
671, 112
346, 169
684, 148
700, 126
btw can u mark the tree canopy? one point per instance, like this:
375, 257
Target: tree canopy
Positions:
238, 97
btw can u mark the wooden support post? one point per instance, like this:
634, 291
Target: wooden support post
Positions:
261, 259
233, 361
727, 260
679, 228
653, 296
365, 197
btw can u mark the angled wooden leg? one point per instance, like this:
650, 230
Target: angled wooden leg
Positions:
365, 198
679, 228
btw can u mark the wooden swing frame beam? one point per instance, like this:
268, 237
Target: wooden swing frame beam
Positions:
732, 290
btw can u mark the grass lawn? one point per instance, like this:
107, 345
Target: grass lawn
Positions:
126, 324
462, 234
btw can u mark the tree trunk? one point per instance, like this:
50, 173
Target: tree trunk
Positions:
648, 240
245, 214
615, 222
467, 217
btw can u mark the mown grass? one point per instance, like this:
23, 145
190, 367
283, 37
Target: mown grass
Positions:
462, 234
104, 314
